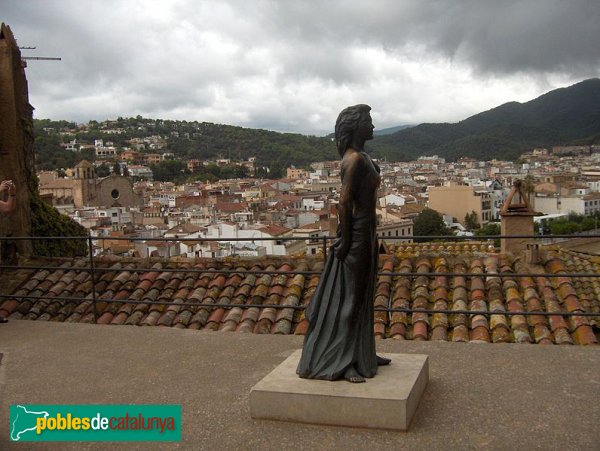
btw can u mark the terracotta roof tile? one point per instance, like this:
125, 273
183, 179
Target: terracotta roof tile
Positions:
486, 291
419, 331
501, 335
439, 334
248, 320
480, 334
215, 319
561, 336
542, 334
584, 335
398, 330
460, 334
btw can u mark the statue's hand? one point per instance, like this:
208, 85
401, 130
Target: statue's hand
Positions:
341, 251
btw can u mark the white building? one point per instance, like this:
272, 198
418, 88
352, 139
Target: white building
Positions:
140, 171
588, 204
392, 199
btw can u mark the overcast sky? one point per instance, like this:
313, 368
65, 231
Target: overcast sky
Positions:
293, 65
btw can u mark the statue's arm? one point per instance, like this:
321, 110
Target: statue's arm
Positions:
350, 180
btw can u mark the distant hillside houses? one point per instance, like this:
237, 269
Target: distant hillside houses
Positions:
233, 216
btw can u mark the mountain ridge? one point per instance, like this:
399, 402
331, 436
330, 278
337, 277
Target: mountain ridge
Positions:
554, 118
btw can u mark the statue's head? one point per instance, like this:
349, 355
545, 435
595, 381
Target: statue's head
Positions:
348, 123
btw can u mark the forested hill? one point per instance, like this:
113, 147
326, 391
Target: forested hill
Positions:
563, 116
187, 140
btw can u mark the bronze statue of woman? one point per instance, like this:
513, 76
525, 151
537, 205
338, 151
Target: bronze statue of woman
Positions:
339, 342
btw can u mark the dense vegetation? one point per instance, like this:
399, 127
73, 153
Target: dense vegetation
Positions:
47, 221
573, 223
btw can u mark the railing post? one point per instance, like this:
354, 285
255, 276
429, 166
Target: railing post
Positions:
93, 275
325, 247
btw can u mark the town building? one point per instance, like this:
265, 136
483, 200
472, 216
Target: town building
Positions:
459, 200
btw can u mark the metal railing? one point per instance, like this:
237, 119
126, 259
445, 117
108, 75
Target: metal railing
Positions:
95, 298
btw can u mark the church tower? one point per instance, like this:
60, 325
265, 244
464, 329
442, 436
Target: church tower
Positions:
86, 183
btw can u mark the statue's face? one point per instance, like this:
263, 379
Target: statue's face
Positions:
365, 126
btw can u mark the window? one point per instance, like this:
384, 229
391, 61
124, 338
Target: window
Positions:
114, 194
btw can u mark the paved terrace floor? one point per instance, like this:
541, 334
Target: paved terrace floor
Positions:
480, 396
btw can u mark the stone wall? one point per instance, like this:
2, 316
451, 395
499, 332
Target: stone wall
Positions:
16, 138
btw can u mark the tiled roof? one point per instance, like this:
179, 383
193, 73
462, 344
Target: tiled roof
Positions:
231, 207
177, 288
274, 230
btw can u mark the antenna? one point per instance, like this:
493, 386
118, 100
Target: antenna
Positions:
41, 58
38, 58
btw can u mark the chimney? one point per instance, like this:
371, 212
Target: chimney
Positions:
517, 219
532, 254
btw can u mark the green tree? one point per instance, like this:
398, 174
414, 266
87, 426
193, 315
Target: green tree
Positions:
490, 229
103, 170
169, 171
562, 227
241, 172
117, 168
471, 222
430, 223
528, 186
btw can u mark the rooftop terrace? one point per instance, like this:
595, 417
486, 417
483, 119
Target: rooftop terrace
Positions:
501, 396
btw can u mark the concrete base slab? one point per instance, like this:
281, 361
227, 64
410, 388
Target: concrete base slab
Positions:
387, 401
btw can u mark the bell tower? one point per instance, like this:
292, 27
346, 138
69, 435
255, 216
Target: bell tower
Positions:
85, 174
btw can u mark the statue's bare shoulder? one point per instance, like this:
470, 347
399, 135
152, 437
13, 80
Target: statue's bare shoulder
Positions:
352, 161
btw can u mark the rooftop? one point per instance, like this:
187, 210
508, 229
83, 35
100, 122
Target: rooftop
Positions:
479, 396
267, 295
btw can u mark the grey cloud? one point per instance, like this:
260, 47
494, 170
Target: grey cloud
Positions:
503, 36
292, 65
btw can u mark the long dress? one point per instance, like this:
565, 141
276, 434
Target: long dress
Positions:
340, 315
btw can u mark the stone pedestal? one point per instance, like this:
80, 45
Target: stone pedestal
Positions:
387, 401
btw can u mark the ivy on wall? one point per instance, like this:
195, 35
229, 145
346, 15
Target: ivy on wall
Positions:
47, 221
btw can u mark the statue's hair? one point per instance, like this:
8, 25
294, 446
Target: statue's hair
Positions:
346, 124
